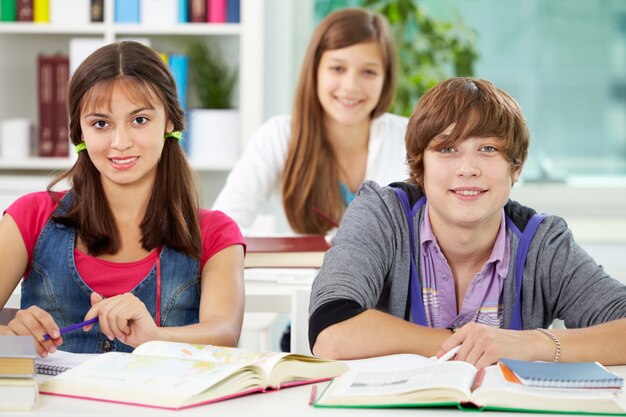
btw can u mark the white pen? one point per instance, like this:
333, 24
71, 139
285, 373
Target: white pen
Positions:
449, 354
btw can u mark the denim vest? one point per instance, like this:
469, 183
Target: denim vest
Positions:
54, 285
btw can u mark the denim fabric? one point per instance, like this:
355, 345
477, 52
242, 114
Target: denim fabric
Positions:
54, 285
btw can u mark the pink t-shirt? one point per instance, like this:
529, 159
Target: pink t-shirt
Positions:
32, 211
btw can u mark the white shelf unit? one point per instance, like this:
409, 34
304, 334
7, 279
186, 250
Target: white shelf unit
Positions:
241, 44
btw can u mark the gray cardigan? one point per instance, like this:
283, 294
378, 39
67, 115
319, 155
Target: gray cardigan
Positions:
368, 267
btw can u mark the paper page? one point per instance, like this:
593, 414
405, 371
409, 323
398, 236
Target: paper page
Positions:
60, 361
368, 381
209, 353
390, 362
122, 376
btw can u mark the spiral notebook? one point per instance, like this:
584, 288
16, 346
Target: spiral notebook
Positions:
60, 361
586, 375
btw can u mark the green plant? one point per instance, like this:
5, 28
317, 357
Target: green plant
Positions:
213, 79
428, 50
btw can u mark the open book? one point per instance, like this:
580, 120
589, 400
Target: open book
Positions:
415, 381
179, 375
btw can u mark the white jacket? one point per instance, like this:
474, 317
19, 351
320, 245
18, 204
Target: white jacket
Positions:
257, 175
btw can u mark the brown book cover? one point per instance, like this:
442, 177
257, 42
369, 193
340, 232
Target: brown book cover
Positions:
60, 137
198, 11
45, 91
17, 356
24, 10
297, 243
303, 251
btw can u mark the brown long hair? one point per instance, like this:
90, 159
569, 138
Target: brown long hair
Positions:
478, 108
172, 214
310, 180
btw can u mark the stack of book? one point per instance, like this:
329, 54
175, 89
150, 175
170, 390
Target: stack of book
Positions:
18, 389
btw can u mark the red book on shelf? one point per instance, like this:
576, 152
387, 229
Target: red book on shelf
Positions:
216, 11
24, 10
45, 93
60, 136
197, 11
299, 251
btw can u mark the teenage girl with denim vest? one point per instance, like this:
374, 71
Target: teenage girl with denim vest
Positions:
127, 243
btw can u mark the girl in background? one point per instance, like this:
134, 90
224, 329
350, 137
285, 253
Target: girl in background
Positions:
127, 243
337, 136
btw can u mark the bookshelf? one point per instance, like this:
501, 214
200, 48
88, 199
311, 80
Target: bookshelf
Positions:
241, 44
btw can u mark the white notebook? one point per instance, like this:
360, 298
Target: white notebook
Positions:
60, 361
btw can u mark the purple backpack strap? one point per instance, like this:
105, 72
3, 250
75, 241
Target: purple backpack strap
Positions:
418, 311
520, 261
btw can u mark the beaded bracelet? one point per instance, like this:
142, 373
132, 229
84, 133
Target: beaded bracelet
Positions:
552, 336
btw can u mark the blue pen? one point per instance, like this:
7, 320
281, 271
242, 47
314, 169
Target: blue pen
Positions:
73, 327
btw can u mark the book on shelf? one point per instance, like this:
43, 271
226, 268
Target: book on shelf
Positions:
581, 375
183, 11
233, 11
216, 11
126, 11
24, 10
45, 95
61, 78
7, 11
17, 357
297, 251
96, 12
41, 11
197, 11
179, 375
401, 381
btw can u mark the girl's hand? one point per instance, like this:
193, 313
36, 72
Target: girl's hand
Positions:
123, 317
36, 322
483, 345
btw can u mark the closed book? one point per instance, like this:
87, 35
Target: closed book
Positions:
563, 375
299, 251
17, 356
233, 11
127, 11
179, 375
75, 12
197, 11
159, 12
41, 11
216, 11
179, 66
183, 11
61, 136
18, 394
8, 10
24, 10
97, 11
45, 90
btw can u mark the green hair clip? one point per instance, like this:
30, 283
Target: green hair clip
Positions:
175, 134
80, 147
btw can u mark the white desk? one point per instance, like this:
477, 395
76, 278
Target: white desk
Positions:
263, 297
